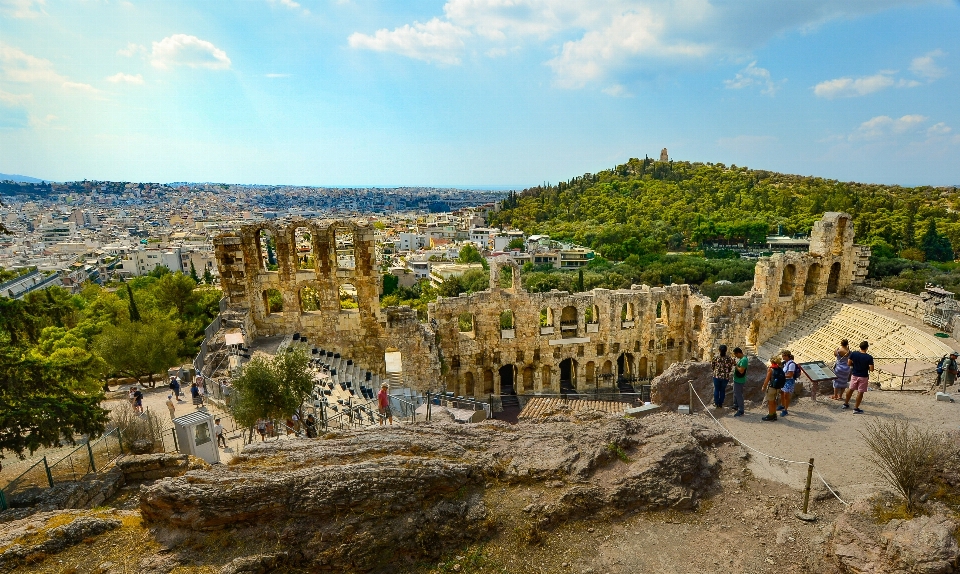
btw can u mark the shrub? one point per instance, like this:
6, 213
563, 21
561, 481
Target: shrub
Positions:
903, 455
134, 427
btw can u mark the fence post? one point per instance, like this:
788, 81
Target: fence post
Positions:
176, 446
93, 464
49, 474
904, 377
120, 439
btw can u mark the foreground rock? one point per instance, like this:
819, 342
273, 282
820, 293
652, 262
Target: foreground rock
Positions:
361, 499
45, 533
922, 545
672, 388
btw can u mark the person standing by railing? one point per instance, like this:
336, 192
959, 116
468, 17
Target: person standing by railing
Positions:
722, 366
383, 402
739, 380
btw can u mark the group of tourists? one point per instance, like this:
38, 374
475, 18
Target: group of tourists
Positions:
852, 371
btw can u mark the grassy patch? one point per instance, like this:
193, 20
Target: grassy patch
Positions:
618, 451
884, 512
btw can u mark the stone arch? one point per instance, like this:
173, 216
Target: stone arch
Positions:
607, 368
468, 384
787, 280
266, 243
545, 382
496, 265
643, 369
812, 284
697, 317
753, 336
833, 281
624, 365
568, 374
591, 374
507, 375
628, 315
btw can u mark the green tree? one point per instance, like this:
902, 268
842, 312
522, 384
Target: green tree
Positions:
207, 277
515, 243
193, 273
140, 349
134, 311
470, 254
271, 388
936, 247
44, 400
174, 290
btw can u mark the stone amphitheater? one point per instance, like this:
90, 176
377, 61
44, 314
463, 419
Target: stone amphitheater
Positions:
505, 341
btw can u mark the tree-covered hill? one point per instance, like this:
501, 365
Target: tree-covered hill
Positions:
644, 207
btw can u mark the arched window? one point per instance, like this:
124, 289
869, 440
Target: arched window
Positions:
813, 280
309, 299
267, 248
506, 319
303, 242
833, 282
272, 301
348, 297
786, 281
697, 318
568, 321
346, 254
546, 317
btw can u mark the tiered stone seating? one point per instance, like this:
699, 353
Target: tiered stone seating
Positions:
817, 333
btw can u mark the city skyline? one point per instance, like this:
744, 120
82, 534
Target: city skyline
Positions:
475, 93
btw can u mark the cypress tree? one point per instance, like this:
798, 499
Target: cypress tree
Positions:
134, 312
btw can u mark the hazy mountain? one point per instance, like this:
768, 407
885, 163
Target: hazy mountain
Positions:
19, 178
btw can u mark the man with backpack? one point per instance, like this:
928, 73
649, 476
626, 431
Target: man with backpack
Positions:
861, 364
791, 371
771, 386
948, 371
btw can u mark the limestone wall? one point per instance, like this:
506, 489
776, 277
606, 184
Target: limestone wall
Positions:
899, 301
507, 340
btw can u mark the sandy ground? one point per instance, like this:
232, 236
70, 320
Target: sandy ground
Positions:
821, 430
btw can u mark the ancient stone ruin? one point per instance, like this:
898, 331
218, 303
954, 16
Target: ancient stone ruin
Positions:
320, 279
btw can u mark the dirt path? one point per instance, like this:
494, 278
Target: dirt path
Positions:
823, 431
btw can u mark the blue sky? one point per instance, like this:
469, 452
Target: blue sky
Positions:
476, 92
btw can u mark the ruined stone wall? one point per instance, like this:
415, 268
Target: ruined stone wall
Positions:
495, 341
900, 301
310, 276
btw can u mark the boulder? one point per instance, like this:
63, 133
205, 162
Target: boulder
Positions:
142, 446
671, 388
397, 487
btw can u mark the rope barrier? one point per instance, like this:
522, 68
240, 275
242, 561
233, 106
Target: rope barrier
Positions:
760, 452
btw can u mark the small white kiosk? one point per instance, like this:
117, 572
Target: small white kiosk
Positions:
195, 436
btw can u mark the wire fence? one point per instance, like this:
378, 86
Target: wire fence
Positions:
85, 459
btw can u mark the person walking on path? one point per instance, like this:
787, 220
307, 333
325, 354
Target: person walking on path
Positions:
218, 431
771, 386
739, 380
137, 401
262, 429
861, 364
722, 366
195, 393
175, 387
842, 370
172, 407
790, 371
383, 402
311, 426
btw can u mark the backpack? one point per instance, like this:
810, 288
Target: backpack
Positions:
779, 378
940, 365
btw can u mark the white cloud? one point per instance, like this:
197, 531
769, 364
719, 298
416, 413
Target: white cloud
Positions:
754, 76
190, 51
612, 37
22, 8
939, 129
616, 91
884, 126
8, 99
18, 66
276, 75
926, 67
434, 41
852, 87
121, 78
289, 4
131, 50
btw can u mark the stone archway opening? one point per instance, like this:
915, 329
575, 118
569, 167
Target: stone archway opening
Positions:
624, 365
568, 322
272, 301
267, 248
487, 382
753, 336
346, 248
787, 280
468, 388
303, 242
526, 380
833, 281
568, 376
506, 380
697, 317
813, 280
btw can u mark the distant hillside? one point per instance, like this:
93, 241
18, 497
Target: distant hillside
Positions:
644, 207
19, 178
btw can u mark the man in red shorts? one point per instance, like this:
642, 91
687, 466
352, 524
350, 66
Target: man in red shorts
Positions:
861, 364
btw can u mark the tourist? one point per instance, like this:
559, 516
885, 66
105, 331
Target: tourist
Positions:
262, 429
311, 424
790, 371
772, 384
195, 393
949, 376
383, 402
739, 380
218, 432
842, 370
175, 387
722, 366
270, 429
861, 364
130, 397
137, 401
289, 425
172, 407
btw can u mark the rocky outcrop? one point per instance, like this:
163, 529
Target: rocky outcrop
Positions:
92, 490
141, 467
415, 490
671, 388
33, 536
922, 545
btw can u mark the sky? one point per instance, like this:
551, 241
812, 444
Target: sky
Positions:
500, 93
